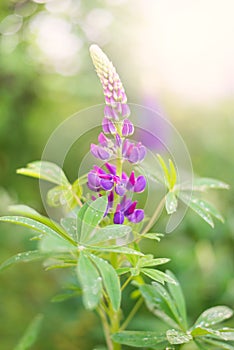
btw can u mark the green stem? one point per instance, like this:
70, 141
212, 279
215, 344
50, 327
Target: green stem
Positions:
106, 328
126, 282
131, 314
154, 217
77, 199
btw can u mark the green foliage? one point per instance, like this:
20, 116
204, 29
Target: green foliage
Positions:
189, 194
90, 280
45, 171
168, 304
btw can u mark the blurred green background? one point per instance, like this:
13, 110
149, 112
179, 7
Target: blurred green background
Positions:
177, 55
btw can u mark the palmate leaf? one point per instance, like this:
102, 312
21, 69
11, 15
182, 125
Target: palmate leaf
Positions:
90, 281
31, 334
37, 226
89, 216
110, 280
46, 171
140, 339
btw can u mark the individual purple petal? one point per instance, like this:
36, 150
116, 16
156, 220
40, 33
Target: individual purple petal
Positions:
118, 218
107, 185
110, 113
93, 180
134, 155
130, 209
140, 184
94, 150
142, 153
103, 154
124, 176
105, 127
112, 127
118, 140
125, 149
125, 111
131, 181
111, 168
110, 199
102, 139
137, 216
131, 128
120, 189
127, 128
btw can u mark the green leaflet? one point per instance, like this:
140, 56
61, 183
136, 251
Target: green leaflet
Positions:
69, 224
159, 303
31, 334
148, 260
178, 296
204, 209
155, 236
171, 202
37, 226
24, 210
90, 281
139, 339
115, 249
109, 232
157, 275
46, 171
201, 184
177, 337
110, 280
89, 216
213, 316
24, 257
218, 344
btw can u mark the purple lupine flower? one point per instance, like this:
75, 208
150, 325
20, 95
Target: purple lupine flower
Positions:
134, 153
127, 128
99, 180
116, 124
114, 92
100, 152
127, 208
108, 126
136, 184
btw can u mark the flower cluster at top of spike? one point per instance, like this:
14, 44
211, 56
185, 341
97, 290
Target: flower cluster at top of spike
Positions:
113, 181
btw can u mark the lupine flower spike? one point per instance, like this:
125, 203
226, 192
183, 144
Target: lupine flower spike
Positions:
114, 181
